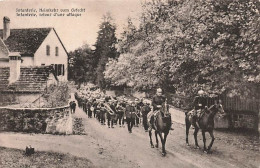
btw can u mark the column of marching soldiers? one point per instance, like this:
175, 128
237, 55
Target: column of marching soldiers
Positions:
112, 111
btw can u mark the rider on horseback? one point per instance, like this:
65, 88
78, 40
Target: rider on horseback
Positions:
157, 103
199, 103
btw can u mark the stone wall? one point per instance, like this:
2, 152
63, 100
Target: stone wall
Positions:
17, 98
36, 120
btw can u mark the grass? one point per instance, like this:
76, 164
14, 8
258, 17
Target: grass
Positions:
11, 158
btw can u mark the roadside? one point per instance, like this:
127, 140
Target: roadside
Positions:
106, 147
16, 158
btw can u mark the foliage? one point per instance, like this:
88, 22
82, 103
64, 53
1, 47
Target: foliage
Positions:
56, 95
192, 44
81, 65
105, 48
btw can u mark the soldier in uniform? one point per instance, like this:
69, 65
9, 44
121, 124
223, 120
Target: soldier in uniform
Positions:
137, 113
121, 110
199, 104
130, 115
145, 110
157, 102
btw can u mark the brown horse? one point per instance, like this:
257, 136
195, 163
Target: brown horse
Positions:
205, 124
162, 124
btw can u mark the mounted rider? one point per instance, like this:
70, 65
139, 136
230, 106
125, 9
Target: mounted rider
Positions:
157, 103
199, 104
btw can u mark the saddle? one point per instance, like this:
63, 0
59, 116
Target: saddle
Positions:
153, 118
195, 116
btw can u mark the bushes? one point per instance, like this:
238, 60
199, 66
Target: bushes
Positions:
56, 95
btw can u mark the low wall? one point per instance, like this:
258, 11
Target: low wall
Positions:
17, 98
36, 120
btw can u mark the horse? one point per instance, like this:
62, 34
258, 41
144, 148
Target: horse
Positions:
205, 124
162, 124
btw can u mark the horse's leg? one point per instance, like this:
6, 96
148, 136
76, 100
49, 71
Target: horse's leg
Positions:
195, 137
151, 140
156, 136
212, 140
165, 137
163, 145
204, 141
188, 124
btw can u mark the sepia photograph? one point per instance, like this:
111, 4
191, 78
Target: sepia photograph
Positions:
129, 83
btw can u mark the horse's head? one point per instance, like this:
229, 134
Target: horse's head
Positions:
217, 108
165, 110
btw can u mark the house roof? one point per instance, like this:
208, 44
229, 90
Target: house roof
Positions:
25, 41
32, 79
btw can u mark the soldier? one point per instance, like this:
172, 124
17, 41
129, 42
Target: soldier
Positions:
130, 115
145, 110
138, 105
73, 107
157, 102
121, 110
199, 104
88, 106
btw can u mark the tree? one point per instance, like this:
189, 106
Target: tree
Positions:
81, 65
105, 48
192, 44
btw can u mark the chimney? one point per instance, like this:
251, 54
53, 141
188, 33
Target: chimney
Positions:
15, 65
6, 29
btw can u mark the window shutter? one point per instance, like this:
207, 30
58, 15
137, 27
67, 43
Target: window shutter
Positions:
56, 69
56, 51
47, 50
59, 69
63, 70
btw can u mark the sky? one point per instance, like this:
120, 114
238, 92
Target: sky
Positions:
73, 31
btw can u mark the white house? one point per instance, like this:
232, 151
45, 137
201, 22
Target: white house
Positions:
30, 61
36, 46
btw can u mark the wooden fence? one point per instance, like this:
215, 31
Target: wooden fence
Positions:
241, 105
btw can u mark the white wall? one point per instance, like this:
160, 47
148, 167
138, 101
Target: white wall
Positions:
27, 61
3, 49
3, 55
51, 80
4, 63
40, 57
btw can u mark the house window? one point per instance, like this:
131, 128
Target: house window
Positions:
56, 51
59, 69
48, 48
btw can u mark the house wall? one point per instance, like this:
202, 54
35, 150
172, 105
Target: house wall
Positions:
27, 61
51, 80
4, 62
3, 50
2, 53
41, 56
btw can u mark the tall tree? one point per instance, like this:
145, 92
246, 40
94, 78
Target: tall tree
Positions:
194, 43
81, 65
105, 48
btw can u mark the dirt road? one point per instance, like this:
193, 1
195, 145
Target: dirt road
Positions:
107, 147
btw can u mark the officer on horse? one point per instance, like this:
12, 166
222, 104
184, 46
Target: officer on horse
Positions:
199, 104
157, 103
